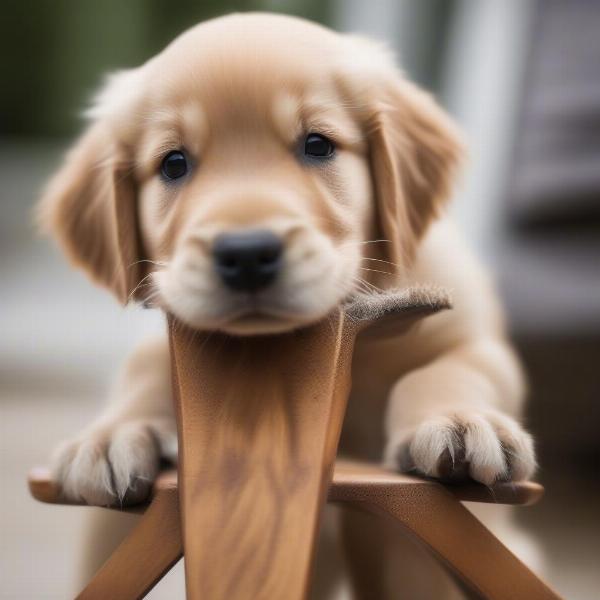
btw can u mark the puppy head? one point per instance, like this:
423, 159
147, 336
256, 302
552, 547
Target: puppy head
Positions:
240, 178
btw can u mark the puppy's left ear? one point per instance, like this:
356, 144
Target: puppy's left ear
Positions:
90, 208
415, 150
90, 205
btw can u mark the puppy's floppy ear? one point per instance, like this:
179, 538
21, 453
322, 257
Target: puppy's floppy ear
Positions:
90, 207
415, 150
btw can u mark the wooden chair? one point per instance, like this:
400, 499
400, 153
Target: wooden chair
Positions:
259, 420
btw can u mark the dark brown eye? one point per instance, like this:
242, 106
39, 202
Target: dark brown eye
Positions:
318, 146
174, 165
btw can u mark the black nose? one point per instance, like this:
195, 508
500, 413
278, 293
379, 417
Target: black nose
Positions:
247, 261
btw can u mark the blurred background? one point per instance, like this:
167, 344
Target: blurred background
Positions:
522, 77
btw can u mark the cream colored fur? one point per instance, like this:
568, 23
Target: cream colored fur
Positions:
238, 93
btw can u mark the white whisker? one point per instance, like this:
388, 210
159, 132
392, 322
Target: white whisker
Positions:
393, 264
137, 287
158, 263
376, 271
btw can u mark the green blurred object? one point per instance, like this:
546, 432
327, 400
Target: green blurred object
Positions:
53, 53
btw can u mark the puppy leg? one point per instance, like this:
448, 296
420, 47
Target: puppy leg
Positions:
450, 418
329, 580
384, 562
102, 532
116, 458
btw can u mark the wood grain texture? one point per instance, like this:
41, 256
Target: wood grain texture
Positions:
259, 421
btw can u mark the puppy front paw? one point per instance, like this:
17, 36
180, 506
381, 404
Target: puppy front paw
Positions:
114, 464
486, 446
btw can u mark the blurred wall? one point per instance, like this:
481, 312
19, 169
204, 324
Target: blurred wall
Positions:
53, 53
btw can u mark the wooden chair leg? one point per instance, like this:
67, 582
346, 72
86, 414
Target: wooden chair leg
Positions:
431, 512
144, 556
463, 544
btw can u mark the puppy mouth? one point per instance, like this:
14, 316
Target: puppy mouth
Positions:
258, 317
257, 323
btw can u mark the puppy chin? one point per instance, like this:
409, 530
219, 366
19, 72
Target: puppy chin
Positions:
265, 320
232, 318
244, 321
241, 321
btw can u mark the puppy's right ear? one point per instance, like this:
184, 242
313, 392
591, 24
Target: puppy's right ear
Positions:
414, 147
90, 208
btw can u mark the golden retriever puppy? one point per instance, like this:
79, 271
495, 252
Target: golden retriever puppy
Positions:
248, 179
